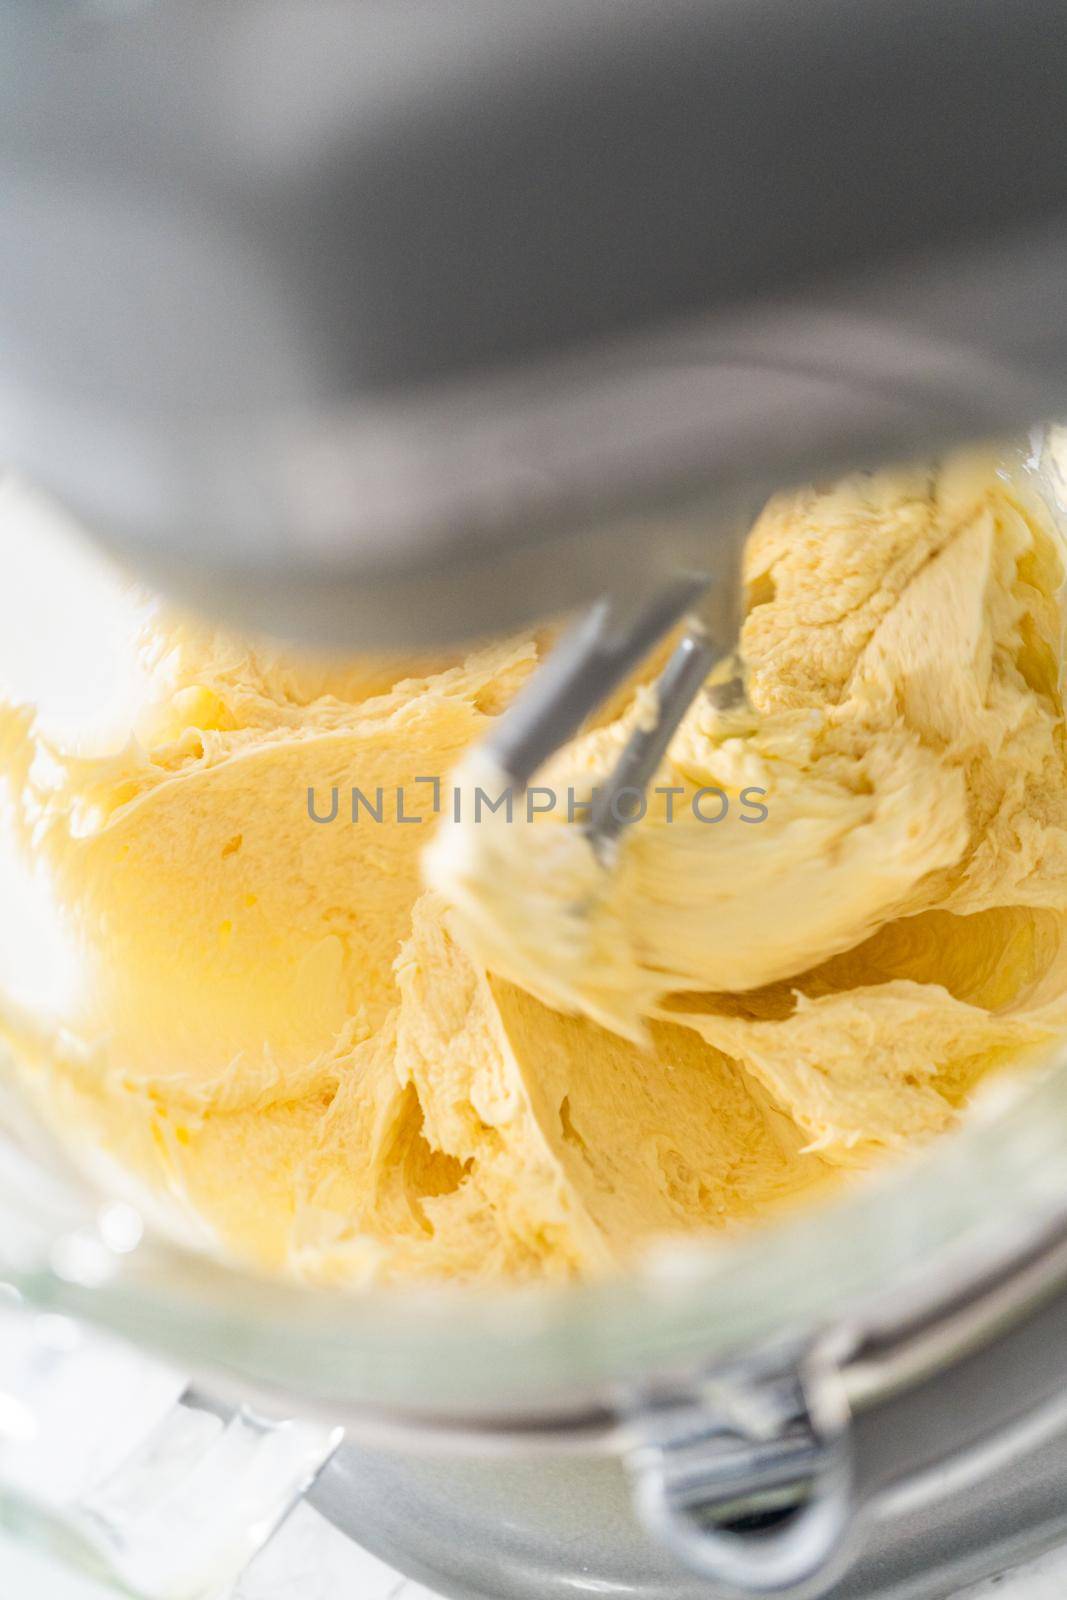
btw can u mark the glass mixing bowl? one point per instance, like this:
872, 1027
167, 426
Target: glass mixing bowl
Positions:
750, 1385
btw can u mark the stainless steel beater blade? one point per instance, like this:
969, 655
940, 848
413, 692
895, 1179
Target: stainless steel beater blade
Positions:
675, 691
591, 660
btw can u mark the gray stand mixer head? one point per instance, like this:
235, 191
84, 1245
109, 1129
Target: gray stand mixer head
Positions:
391, 322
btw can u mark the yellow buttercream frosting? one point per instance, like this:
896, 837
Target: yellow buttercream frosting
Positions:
515, 1063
